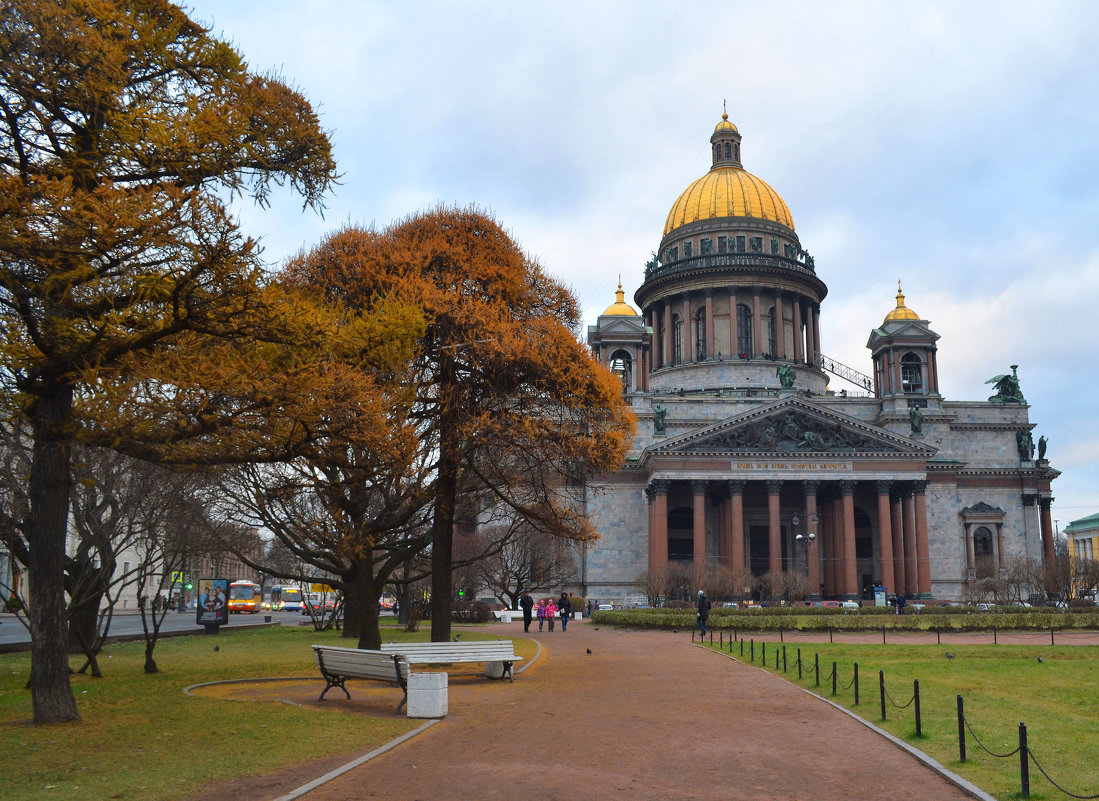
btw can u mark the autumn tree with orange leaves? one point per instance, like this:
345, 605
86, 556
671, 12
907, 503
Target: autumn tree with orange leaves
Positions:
123, 127
510, 409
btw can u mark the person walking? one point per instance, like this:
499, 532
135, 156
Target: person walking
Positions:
526, 603
541, 612
703, 611
564, 606
551, 613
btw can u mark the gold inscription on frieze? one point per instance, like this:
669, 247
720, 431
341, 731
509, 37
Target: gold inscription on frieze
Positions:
792, 466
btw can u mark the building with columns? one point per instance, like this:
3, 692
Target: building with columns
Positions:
747, 457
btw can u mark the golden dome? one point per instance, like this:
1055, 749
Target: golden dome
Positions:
725, 125
902, 312
728, 191
620, 307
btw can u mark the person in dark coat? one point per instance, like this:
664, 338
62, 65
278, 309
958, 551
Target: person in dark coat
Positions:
564, 606
703, 611
526, 603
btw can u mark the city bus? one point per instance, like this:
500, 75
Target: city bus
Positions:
285, 598
245, 596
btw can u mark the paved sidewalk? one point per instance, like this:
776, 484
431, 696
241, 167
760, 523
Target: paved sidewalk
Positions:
645, 716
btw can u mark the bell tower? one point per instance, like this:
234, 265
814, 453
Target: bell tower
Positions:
904, 352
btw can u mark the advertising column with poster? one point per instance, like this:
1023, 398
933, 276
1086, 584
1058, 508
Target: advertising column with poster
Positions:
212, 610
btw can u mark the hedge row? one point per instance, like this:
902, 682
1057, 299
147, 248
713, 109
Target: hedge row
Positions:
772, 619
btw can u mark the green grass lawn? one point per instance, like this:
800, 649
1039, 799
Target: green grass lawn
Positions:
1001, 686
142, 738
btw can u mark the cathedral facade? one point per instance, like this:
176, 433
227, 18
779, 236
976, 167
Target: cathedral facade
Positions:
746, 457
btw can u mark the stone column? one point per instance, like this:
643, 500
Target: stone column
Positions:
733, 351
1000, 542
757, 344
1044, 504
896, 521
667, 357
686, 332
898, 386
780, 327
711, 351
812, 554
736, 524
650, 494
828, 547
724, 525
923, 553
798, 350
911, 585
699, 490
885, 535
658, 532
810, 334
816, 329
774, 529
850, 567
970, 558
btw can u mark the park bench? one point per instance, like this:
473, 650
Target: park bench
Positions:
449, 653
337, 665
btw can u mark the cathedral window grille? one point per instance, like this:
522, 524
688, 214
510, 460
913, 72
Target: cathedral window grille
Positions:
744, 331
774, 245
740, 244
677, 340
911, 373
722, 244
700, 335
728, 150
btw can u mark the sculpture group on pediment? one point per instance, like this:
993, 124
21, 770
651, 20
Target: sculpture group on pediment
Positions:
1007, 387
790, 432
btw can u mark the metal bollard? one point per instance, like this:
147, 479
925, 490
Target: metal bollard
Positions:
799, 664
916, 701
961, 730
816, 667
783, 659
1024, 762
753, 642
881, 686
833, 677
856, 683
883, 634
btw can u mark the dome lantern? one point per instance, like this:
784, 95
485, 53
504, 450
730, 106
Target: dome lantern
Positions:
620, 308
726, 144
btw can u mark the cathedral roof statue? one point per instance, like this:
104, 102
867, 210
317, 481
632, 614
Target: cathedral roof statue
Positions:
727, 190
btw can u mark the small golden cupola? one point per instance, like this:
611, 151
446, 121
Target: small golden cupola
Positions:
902, 312
620, 307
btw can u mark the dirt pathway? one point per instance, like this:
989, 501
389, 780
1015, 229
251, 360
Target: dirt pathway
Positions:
645, 716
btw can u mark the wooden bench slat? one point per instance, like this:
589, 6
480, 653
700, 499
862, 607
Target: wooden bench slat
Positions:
436, 653
337, 665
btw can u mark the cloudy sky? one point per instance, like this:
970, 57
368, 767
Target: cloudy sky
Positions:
953, 146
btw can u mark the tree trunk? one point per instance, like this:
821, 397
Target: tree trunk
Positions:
50, 484
370, 593
442, 534
352, 607
150, 663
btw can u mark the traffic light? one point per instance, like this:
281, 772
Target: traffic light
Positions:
461, 593
188, 585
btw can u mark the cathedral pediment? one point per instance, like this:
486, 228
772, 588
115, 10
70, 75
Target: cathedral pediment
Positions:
622, 325
793, 425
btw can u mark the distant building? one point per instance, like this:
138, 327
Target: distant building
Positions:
1083, 537
747, 457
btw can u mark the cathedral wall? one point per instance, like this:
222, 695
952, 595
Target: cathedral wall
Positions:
729, 373
620, 514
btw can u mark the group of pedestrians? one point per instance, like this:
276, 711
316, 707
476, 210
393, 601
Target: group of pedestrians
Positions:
546, 610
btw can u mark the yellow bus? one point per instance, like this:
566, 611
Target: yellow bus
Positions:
245, 596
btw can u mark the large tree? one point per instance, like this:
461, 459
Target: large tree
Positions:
509, 405
123, 127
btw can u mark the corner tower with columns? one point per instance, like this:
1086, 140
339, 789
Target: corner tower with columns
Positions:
749, 464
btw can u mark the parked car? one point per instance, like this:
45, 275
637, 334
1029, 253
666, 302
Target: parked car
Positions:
825, 604
730, 605
916, 607
986, 607
850, 605
606, 607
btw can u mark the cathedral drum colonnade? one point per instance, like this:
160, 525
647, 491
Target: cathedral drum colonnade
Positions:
748, 458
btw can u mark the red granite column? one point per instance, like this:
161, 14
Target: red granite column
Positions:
659, 531
699, 490
736, 490
828, 547
850, 568
757, 344
732, 321
813, 535
686, 332
816, 330
780, 327
885, 535
798, 350
711, 351
810, 334
923, 554
774, 530
1045, 503
667, 357
896, 519
911, 571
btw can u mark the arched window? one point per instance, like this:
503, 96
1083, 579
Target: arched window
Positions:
744, 331
911, 373
772, 345
700, 335
622, 366
677, 339
728, 150
982, 543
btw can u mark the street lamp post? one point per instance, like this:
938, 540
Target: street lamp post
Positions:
806, 539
